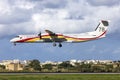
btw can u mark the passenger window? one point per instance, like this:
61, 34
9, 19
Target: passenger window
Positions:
17, 36
20, 37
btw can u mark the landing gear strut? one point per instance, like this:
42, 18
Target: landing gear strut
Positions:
14, 44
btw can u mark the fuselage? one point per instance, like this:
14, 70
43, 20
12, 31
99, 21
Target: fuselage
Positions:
45, 37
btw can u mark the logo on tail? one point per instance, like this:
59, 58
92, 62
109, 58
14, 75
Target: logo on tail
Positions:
102, 28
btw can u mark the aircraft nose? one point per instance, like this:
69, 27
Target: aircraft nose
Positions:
12, 40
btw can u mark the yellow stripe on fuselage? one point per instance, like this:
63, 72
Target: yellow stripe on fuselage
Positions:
33, 40
53, 36
43, 37
60, 37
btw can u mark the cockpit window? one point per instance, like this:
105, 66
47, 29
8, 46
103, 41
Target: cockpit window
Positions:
17, 36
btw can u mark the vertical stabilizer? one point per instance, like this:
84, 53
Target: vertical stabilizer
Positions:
102, 28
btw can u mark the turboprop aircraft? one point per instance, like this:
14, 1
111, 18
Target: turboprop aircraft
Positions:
51, 37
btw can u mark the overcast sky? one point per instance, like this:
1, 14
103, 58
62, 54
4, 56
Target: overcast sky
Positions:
63, 16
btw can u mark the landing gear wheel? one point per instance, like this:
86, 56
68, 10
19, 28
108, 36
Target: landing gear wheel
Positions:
54, 44
60, 45
14, 44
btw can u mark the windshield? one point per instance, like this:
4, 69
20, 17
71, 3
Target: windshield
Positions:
17, 36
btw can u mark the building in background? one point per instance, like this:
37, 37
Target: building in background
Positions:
14, 67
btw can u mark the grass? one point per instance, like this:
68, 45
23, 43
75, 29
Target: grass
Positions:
61, 77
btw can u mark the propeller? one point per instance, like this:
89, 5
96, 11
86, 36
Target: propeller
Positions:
40, 35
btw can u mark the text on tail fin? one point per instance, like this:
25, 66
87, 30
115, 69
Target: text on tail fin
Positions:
102, 26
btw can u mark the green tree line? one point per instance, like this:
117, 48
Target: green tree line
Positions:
78, 67
66, 66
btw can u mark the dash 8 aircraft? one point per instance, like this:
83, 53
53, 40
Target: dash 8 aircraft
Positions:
51, 37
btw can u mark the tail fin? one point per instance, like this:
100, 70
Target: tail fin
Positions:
102, 28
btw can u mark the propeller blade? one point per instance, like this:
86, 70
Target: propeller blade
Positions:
40, 35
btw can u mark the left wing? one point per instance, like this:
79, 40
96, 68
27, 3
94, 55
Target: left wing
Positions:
55, 37
50, 32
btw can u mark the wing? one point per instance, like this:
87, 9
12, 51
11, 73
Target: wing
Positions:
52, 35
50, 32
55, 37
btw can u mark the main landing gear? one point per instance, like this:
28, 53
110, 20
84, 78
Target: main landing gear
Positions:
54, 44
60, 45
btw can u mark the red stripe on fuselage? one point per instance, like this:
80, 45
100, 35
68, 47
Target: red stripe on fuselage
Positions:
86, 38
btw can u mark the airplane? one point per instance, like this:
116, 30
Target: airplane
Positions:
51, 37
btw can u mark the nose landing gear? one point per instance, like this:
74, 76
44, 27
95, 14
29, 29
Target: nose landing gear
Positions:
14, 44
